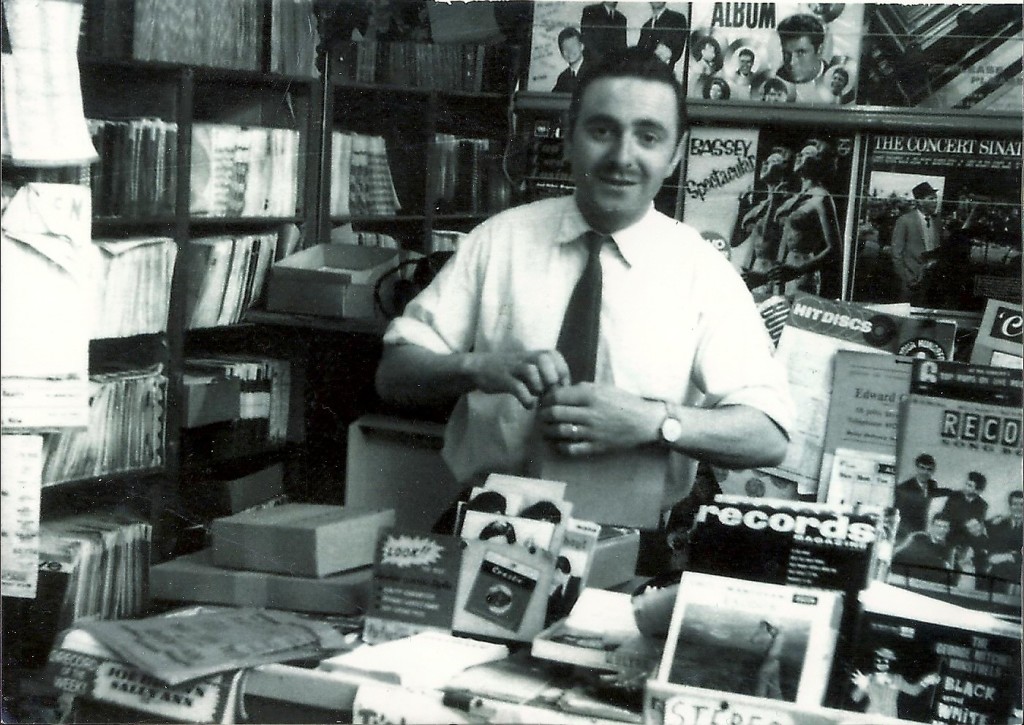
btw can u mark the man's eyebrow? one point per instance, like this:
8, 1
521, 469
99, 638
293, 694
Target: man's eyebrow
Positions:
643, 123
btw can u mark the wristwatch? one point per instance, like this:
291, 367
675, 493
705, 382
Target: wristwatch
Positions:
671, 427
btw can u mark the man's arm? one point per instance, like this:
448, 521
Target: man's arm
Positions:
588, 418
413, 375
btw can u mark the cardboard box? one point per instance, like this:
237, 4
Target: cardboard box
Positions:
299, 538
615, 556
334, 280
195, 578
396, 462
210, 399
238, 494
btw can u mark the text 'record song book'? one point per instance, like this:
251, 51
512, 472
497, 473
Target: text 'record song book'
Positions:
749, 637
959, 487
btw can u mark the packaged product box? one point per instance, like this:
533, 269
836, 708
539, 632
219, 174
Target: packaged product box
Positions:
194, 578
301, 539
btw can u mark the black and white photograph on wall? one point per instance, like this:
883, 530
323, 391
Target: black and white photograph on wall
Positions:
938, 222
567, 36
943, 56
779, 197
784, 52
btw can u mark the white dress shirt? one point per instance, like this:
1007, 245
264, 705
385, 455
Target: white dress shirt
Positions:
677, 324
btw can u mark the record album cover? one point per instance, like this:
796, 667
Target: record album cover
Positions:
943, 56
568, 36
783, 52
938, 221
778, 197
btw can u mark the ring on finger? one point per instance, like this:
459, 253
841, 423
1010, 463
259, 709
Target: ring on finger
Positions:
574, 430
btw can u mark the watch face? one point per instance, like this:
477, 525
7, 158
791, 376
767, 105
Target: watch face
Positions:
671, 429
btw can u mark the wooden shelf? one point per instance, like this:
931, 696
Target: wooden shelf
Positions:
847, 118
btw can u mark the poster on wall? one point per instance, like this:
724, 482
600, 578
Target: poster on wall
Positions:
784, 52
567, 36
778, 197
938, 221
943, 56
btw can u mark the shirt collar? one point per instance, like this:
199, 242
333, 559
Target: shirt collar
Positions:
633, 242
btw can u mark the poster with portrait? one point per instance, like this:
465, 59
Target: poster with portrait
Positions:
778, 196
938, 221
943, 56
568, 35
784, 52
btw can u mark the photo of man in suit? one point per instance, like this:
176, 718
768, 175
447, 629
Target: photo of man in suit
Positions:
665, 33
603, 28
914, 495
916, 238
571, 46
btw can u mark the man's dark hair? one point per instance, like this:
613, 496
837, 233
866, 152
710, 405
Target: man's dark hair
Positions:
843, 72
632, 62
747, 52
798, 26
563, 565
566, 33
979, 480
925, 459
1014, 494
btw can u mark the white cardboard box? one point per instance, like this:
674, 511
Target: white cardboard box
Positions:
334, 280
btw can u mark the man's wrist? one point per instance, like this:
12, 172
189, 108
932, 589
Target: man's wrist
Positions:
663, 426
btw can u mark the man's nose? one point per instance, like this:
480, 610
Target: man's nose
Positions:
623, 150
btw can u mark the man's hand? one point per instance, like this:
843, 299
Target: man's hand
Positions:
860, 680
584, 419
525, 375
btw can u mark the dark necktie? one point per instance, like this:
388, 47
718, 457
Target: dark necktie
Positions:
577, 340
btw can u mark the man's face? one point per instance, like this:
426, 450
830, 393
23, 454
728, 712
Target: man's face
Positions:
773, 167
939, 530
974, 527
775, 95
572, 50
707, 52
624, 144
657, 7
928, 205
802, 58
807, 153
746, 64
970, 488
1016, 506
838, 83
924, 472
882, 663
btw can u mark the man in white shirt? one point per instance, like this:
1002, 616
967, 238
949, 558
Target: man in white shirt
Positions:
684, 366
